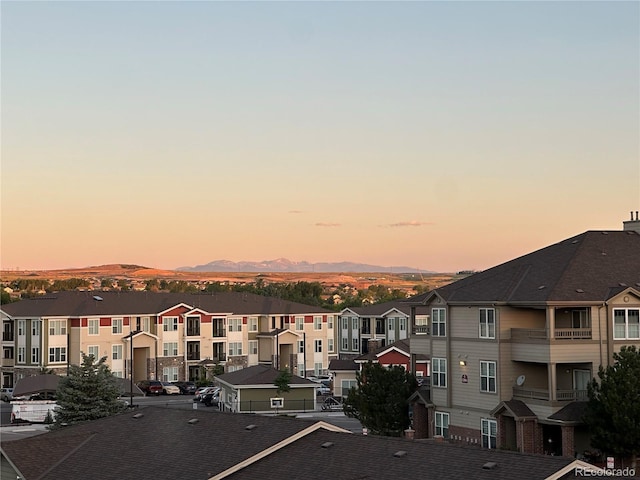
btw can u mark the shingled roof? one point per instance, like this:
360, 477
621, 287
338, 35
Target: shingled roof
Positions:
95, 303
590, 267
259, 375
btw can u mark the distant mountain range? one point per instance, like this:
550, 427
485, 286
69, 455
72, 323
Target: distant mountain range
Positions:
284, 265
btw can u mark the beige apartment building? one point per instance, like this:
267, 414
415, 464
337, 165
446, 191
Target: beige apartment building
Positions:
164, 336
513, 348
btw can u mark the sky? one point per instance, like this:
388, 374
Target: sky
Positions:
442, 136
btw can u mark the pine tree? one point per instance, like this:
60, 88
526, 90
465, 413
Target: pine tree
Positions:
613, 410
88, 392
380, 402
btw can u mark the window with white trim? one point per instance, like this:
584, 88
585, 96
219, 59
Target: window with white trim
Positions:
116, 326
488, 377
330, 345
57, 327
626, 323
489, 430
57, 354
93, 326
253, 324
116, 352
403, 324
94, 350
317, 322
299, 323
301, 372
355, 324
345, 323
235, 349
487, 323
169, 324
439, 372
117, 373
170, 349
22, 354
442, 424
317, 368
22, 327
253, 347
146, 324
345, 343
354, 344
439, 322
300, 346
346, 385
170, 374
391, 324
235, 324
330, 322
318, 346
35, 355
35, 328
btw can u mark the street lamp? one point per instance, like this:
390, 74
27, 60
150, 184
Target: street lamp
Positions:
130, 337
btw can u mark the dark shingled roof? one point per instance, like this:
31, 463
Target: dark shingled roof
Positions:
76, 304
337, 364
517, 408
378, 309
402, 345
571, 413
259, 375
590, 267
325, 455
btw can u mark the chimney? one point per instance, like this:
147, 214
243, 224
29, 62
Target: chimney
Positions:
409, 433
632, 225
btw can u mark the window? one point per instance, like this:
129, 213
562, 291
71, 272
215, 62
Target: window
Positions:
442, 424
318, 346
301, 370
116, 352
439, 372
146, 324
300, 346
403, 324
94, 350
253, 324
116, 326
35, 355
170, 349
317, 323
22, 353
253, 347
170, 324
345, 323
626, 323
299, 323
391, 324
93, 325
330, 344
35, 328
487, 323
488, 377
22, 327
345, 343
317, 368
170, 374
57, 327
117, 373
235, 324
330, 322
354, 323
439, 324
489, 433
354, 344
57, 354
235, 348
347, 385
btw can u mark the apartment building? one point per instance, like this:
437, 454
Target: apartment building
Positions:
366, 329
166, 336
513, 348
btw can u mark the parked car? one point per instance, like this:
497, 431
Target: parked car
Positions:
201, 392
211, 398
323, 390
6, 394
332, 403
186, 388
150, 387
169, 388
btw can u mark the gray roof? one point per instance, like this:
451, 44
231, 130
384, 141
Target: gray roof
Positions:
402, 345
77, 304
572, 413
163, 444
346, 365
259, 375
590, 267
517, 408
378, 309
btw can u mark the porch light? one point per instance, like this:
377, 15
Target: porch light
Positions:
463, 363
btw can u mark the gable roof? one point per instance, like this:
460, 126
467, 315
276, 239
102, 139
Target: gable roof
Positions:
574, 413
343, 365
590, 267
84, 304
401, 346
379, 309
516, 408
260, 375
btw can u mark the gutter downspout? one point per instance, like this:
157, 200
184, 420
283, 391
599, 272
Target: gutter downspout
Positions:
600, 330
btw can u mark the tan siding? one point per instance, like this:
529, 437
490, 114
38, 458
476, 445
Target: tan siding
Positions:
530, 352
421, 344
509, 318
575, 352
463, 322
469, 393
439, 346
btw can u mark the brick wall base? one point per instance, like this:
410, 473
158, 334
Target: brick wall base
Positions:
468, 436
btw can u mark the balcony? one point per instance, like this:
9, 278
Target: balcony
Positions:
193, 332
193, 356
541, 334
421, 330
220, 357
543, 394
219, 332
7, 336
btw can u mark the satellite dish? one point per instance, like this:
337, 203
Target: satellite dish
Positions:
520, 380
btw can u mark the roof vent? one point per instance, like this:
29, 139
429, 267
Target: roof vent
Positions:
622, 284
250, 427
138, 415
193, 421
574, 242
579, 290
542, 287
327, 445
605, 233
97, 298
400, 454
489, 466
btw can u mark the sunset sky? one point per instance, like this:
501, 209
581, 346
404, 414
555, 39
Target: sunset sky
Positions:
437, 135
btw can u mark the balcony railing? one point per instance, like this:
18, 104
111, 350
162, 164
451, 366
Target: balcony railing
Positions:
7, 336
220, 357
536, 334
193, 356
193, 332
543, 394
219, 332
421, 329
